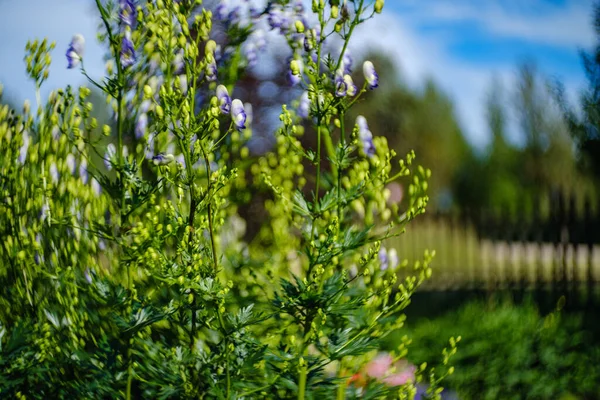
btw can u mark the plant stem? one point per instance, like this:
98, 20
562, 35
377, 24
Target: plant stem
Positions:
216, 271
318, 162
115, 47
302, 383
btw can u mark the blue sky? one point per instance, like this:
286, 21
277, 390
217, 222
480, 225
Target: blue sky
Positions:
461, 44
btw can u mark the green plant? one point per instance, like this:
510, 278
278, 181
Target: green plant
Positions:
510, 351
134, 279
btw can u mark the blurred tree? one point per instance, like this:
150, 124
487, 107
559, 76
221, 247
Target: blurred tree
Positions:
548, 159
585, 126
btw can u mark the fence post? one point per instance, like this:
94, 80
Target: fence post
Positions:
589, 222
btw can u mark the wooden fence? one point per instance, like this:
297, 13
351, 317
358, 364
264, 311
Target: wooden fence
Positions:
555, 246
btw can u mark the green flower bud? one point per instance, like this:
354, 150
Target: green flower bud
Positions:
299, 26
335, 12
147, 92
338, 26
295, 68
379, 6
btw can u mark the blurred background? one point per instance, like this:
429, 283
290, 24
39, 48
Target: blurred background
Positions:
501, 100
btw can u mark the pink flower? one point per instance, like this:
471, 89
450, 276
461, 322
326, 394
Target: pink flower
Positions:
379, 367
406, 374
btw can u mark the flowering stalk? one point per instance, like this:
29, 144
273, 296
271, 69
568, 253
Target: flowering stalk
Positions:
115, 47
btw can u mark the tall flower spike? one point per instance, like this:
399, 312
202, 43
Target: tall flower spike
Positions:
128, 57
224, 99
127, 12
75, 51
238, 114
370, 75
365, 136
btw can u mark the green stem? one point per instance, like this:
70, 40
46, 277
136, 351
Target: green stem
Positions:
302, 383
341, 390
339, 170
115, 47
318, 162
216, 271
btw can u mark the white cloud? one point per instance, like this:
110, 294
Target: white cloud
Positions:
420, 56
537, 20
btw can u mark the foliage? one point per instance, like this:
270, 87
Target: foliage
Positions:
510, 351
133, 276
585, 126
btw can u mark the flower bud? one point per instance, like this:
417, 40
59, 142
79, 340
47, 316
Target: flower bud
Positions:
210, 48
147, 92
338, 26
295, 68
379, 6
299, 26
335, 12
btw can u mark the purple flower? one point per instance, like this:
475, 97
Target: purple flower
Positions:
222, 12
251, 54
238, 114
141, 125
75, 51
365, 136
127, 12
145, 106
388, 258
54, 173
278, 19
299, 7
128, 57
234, 16
211, 70
224, 99
344, 86
109, 156
304, 106
70, 163
88, 275
83, 173
45, 211
370, 75
178, 63
163, 159
183, 84
96, 188
346, 63
24, 147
